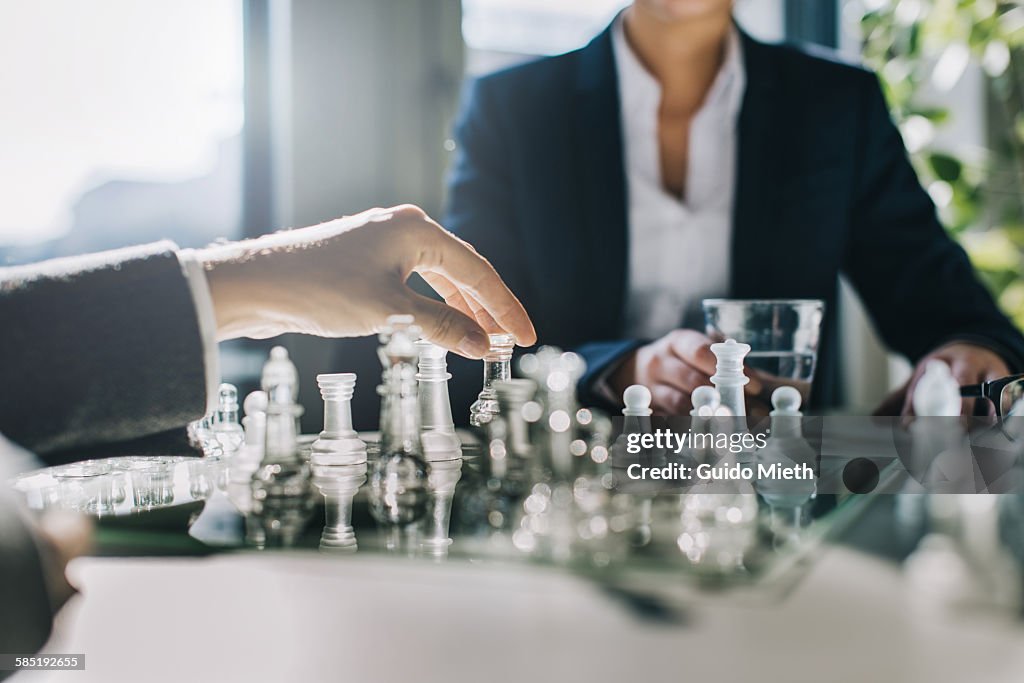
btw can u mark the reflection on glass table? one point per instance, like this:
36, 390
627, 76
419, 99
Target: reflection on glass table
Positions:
481, 508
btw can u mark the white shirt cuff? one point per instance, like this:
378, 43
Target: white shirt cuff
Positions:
207, 319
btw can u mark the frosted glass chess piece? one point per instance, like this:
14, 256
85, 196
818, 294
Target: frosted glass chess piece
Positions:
226, 427
719, 518
786, 450
729, 379
636, 413
338, 484
437, 427
338, 443
398, 491
636, 400
706, 401
497, 367
278, 370
281, 491
706, 406
444, 475
941, 457
254, 424
280, 376
338, 461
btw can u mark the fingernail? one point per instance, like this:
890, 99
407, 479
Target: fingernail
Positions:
474, 345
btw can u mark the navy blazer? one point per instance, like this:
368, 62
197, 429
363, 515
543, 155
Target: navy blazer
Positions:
823, 188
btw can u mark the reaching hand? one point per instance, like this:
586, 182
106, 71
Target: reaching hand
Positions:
345, 277
672, 367
970, 363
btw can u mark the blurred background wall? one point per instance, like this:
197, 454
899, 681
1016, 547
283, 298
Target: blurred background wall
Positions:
125, 122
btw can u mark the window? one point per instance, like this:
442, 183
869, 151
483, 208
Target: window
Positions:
121, 124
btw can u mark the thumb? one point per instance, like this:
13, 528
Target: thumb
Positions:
448, 327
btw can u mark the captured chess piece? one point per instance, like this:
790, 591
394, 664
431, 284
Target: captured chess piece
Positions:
226, 427
437, 427
729, 379
398, 480
497, 367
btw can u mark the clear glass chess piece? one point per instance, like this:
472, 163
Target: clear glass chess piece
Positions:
226, 427
281, 490
398, 492
497, 367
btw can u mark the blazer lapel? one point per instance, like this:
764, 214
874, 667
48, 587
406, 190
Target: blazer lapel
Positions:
756, 204
597, 143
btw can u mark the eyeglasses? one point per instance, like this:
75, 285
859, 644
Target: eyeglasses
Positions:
1003, 392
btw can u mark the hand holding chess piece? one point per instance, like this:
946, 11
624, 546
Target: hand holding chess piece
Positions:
345, 277
969, 364
672, 367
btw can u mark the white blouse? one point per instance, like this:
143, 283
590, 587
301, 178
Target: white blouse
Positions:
679, 248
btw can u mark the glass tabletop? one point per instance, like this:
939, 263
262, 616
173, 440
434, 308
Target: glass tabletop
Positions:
670, 545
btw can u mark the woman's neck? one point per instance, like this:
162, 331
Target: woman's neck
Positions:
684, 56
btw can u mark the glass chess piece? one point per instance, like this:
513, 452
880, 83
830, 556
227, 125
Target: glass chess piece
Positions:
339, 485
281, 488
729, 379
785, 447
201, 436
497, 367
338, 461
437, 427
398, 480
280, 376
636, 419
444, 475
226, 428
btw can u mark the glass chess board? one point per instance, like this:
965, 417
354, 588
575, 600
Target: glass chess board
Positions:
664, 547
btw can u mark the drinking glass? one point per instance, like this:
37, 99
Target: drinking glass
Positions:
783, 335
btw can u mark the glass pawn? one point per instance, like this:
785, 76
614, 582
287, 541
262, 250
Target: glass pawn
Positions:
497, 368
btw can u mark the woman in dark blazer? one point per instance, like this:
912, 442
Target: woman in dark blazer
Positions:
787, 171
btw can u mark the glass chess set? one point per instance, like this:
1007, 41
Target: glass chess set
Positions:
534, 481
